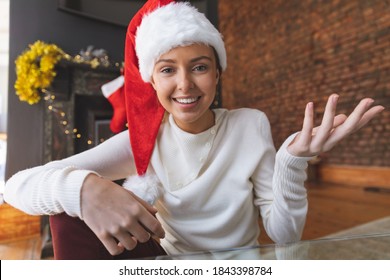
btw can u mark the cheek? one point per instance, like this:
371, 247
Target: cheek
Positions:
164, 92
161, 87
210, 85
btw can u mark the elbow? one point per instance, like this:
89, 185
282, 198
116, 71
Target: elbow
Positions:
289, 229
286, 237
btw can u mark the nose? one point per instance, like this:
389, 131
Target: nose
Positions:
185, 82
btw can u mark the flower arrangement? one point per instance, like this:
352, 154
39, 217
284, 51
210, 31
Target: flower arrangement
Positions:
35, 70
35, 67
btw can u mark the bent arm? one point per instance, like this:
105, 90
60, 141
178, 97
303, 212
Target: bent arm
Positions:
55, 187
279, 190
286, 217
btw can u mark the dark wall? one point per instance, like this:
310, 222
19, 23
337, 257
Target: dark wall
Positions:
41, 20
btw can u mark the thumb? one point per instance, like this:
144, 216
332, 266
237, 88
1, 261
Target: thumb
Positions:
147, 206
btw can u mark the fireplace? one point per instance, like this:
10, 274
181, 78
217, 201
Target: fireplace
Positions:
77, 114
77, 118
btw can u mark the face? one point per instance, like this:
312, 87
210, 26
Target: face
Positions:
185, 79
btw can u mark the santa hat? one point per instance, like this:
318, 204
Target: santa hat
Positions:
176, 24
159, 26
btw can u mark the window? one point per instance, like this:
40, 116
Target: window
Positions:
4, 46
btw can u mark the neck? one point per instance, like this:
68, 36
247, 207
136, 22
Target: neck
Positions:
206, 122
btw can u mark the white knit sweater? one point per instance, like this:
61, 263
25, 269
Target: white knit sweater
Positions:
215, 183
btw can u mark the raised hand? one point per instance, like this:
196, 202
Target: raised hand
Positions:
313, 141
117, 217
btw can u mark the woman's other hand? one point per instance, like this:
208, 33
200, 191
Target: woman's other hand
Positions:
313, 141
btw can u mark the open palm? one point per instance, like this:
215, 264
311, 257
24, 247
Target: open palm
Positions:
312, 141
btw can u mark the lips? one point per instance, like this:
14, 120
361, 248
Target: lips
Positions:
188, 100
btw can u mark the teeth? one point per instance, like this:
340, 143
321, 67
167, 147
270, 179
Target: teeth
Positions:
186, 100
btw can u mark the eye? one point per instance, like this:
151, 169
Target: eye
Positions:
200, 68
166, 70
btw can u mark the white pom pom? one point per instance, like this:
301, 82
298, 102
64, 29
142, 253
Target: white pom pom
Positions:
148, 187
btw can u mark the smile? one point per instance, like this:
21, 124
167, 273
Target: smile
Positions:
186, 100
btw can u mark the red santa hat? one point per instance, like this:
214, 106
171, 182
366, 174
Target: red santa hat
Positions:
158, 27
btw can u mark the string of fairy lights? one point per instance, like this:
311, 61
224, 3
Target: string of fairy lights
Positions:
35, 71
67, 127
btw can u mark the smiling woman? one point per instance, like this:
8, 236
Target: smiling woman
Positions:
186, 80
217, 169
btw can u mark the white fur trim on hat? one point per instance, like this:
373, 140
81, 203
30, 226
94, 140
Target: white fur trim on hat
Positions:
148, 187
170, 26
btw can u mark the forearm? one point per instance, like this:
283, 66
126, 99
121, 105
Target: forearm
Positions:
55, 187
286, 216
46, 191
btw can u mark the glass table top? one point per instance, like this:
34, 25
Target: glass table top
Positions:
354, 247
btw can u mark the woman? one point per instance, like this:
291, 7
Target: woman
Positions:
211, 171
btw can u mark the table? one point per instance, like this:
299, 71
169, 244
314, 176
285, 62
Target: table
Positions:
354, 247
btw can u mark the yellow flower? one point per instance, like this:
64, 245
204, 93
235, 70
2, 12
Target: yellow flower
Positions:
35, 70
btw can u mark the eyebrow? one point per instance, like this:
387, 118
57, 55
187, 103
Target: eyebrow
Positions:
200, 58
192, 60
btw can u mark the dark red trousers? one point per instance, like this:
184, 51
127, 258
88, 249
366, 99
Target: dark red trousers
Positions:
74, 240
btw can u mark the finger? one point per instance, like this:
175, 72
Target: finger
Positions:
352, 122
121, 246
146, 237
147, 206
112, 245
134, 229
338, 120
326, 126
369, 115
126, 240
307, 127
301, 143
151, 224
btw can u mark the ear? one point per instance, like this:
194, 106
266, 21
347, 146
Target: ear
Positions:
218, 76
153, 83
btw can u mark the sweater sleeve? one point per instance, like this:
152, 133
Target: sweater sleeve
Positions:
290, 195
280, 192
55, 187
